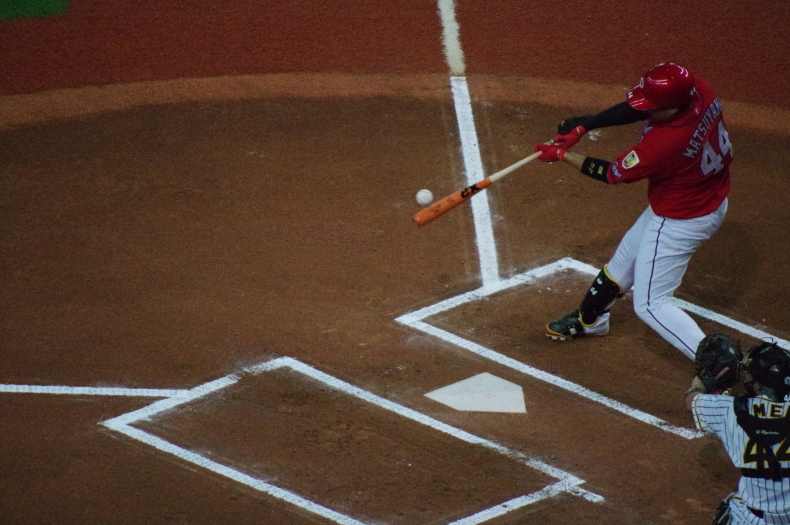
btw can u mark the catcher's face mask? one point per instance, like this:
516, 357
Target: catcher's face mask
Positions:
768, 365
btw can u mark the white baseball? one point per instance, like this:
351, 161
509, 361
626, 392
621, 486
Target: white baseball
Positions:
424, 197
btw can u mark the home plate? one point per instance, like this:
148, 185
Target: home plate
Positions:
482, 393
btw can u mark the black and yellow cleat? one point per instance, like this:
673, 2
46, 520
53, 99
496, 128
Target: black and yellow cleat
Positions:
571, 326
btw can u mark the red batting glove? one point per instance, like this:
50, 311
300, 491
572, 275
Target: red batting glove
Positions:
550, 152
568, 140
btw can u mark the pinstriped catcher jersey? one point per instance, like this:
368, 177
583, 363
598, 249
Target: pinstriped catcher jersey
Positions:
716, 414
686, 161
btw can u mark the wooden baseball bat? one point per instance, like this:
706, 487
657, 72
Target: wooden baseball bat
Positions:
429, 213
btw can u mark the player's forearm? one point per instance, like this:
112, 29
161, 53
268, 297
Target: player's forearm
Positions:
592, 167
617, 115
574, 159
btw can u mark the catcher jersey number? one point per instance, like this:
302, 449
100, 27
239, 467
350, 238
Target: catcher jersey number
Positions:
713, 161
754, 453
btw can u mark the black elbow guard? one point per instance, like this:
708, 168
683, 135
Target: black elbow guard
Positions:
617, 115
568, 125
596, 169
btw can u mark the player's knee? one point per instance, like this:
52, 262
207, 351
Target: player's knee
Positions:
642, 311
648, 310
639, 302
651, 315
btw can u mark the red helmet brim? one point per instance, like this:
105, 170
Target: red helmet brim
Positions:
636, 99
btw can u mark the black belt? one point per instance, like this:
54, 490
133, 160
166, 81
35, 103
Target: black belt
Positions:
756, 512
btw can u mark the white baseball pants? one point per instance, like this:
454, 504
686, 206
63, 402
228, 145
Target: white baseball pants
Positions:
651, 260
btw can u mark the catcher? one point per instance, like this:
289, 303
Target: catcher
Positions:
754, 427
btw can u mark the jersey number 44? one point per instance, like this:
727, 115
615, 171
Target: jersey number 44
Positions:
713, 161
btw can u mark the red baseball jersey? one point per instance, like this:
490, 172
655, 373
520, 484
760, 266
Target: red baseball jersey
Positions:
686, 161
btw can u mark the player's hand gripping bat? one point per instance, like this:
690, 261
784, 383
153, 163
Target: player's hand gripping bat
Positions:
446, 204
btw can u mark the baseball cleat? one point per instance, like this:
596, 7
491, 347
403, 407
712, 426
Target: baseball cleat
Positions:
571, 326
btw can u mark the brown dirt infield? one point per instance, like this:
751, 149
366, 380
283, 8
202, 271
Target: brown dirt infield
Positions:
178, 204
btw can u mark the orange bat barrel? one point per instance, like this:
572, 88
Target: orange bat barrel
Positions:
446, 204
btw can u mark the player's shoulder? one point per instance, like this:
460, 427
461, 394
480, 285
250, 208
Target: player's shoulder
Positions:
712, 413
714, 401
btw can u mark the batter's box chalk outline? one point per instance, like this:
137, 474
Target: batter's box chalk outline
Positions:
567, 483
416, 320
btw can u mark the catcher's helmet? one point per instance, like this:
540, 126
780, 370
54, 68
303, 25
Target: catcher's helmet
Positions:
768, 365
666, 85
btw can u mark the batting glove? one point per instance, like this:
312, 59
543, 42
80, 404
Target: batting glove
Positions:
568, 140
550, 152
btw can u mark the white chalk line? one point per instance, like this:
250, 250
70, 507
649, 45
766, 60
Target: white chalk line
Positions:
228, 472
166, 404
481, 293
567, 482
473, 166
731, 323
90, 391
451, 38
416, 321
552, 379
514, 504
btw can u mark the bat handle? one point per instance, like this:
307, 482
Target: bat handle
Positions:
499, 174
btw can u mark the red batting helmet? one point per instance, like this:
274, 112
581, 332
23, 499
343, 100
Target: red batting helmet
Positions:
666, 85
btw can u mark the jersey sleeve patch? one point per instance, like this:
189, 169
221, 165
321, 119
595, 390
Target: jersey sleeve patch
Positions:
630, 160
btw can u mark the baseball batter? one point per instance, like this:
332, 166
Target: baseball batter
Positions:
755, 430
685, 154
